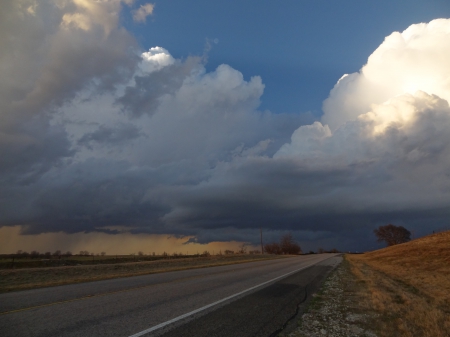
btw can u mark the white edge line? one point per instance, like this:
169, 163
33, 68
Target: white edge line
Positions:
173, 320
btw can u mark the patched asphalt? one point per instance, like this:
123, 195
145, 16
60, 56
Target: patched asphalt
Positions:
263, 313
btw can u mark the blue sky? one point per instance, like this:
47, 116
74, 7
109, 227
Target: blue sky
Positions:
300, 48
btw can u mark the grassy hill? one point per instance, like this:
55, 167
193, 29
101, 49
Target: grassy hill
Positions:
409, 286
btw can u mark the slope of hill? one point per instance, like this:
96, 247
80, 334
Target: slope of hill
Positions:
423, 263
409, 285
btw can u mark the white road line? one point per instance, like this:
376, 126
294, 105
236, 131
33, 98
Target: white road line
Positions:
173, 320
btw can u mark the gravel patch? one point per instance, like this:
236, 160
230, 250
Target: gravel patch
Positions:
337, 309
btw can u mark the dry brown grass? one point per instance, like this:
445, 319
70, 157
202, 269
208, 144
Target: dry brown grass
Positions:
21, 279
409, 286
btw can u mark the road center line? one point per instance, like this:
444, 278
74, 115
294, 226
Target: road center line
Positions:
173, 320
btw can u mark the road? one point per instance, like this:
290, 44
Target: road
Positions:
134, 306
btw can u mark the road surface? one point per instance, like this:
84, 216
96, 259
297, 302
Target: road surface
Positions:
251, 299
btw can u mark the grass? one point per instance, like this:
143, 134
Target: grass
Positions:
408, 286
12, 261
30, 278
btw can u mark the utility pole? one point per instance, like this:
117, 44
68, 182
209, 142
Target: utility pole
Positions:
260, 232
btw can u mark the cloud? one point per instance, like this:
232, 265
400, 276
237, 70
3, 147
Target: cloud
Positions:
155, 59
404, 63
110, 135
386, 134
140, 15
206, 120
161, 76
121, 168
44, 66
386, 163
97, 133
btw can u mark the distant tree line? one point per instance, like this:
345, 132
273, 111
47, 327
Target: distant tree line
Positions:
140, 254
35, 254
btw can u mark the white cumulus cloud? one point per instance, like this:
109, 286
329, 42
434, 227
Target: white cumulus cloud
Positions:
155, 59
415, 59
407, 75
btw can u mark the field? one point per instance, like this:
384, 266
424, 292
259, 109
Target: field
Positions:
15, 261
107, 268
408, 286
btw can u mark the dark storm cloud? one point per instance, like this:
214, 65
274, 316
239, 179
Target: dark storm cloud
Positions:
31, 149
91, 195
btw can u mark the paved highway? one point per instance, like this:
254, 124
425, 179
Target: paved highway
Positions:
252, 299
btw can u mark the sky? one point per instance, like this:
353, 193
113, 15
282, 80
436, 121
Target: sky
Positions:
177, 126
299, 48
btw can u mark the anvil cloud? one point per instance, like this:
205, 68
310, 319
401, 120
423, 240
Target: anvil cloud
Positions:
96, 133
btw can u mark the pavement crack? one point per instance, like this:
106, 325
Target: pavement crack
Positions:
297, 308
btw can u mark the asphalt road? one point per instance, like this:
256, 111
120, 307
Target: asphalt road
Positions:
131, 306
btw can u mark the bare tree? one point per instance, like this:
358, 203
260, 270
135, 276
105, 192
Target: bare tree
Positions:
243, 249
288, 245
392, 235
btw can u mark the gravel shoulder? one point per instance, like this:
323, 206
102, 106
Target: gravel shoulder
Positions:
340, 308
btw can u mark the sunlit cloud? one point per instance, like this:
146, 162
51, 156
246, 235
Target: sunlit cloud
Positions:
404, 63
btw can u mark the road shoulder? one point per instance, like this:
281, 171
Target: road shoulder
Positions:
339, 308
